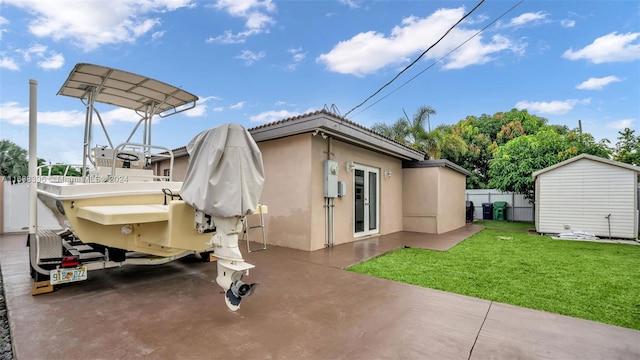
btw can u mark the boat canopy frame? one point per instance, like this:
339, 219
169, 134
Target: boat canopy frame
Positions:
147, 97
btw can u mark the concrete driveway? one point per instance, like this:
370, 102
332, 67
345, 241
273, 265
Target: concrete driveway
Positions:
306, 307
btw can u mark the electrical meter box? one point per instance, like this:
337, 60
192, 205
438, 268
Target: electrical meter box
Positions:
330, 179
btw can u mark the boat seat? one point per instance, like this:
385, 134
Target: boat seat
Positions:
124, 214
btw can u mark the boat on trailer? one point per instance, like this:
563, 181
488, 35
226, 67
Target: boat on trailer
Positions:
119, 211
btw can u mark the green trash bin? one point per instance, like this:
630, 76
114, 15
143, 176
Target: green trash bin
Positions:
500, 211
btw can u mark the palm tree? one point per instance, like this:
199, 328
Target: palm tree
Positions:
411, 132
422, 113
398, 131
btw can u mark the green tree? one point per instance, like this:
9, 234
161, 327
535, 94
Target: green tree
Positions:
13, 159
512, 164
444, 143
627, 148
58, 169
480, 147
484, 134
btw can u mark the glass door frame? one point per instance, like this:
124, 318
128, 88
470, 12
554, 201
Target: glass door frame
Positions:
366, 191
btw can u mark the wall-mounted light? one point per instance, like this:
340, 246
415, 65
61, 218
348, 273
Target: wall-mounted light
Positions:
387, 173
350, 166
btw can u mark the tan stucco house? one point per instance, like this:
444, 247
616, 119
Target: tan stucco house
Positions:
382, 186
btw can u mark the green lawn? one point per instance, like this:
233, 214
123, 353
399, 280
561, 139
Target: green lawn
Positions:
595, 281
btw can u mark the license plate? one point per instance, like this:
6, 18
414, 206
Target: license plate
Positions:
61, 276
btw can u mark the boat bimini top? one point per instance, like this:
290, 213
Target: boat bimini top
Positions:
147, 97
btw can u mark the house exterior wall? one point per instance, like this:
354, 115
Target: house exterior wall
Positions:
419, 196
179, 167
302, 178
451, 200
434, 200
287, 192
390, 190
578, 197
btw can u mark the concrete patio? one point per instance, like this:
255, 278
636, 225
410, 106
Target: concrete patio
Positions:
306, 307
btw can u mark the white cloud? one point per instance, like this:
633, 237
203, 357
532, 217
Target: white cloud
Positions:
597, 83
198, 111
250, 57
3, 22
89, 26
528, 18
201, 107
8, 63
52, 62
46, 59
273, 115
621, 124
283, 103
566, 23
612, 47
352, 4
228, 37
238, 105
254, 12
556, 107
120, 114
157, 35
12, 113
36, 49
370, 51
298, 56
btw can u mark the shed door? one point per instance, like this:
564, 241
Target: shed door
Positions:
366, 204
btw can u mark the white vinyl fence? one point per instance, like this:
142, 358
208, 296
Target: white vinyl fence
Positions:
518, 208
16, 210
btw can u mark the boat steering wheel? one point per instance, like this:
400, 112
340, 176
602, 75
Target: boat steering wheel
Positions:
124, 156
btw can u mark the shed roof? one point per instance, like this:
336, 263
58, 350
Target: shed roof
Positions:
331, 124
588, 157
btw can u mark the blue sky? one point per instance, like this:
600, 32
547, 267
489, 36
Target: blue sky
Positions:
258, 61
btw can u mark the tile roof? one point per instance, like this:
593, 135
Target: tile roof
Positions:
307, 127
328, 113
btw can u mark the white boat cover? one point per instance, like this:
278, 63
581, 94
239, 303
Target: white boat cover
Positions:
225, 173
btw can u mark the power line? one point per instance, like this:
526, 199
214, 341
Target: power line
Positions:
445, 55
418, 58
